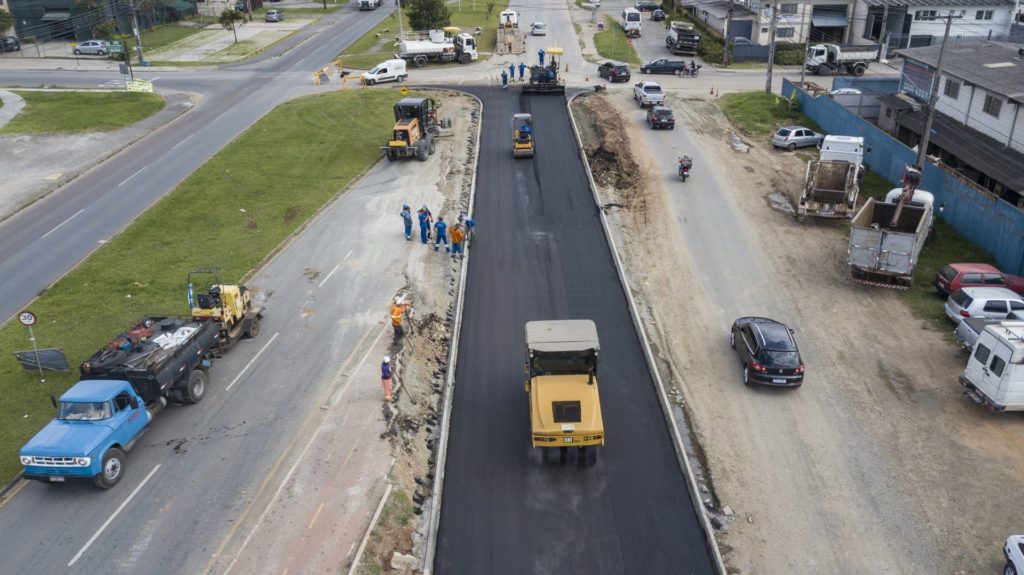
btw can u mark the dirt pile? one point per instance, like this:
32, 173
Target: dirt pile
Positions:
608, 152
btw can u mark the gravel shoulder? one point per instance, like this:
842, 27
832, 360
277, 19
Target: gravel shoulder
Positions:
878, 464
35, 165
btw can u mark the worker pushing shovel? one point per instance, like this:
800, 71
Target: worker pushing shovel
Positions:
399, 311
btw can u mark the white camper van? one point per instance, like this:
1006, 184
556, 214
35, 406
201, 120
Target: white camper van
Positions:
387, 71
994, 375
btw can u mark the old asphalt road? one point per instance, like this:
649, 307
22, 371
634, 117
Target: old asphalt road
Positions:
45, 240
541, 254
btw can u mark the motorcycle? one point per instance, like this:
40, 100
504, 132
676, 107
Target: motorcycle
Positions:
685, 163
690, 72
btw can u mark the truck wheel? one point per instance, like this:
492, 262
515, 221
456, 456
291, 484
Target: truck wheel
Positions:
858, 70
421, 151
431, 145
392, 156
111, 470
195, 388
463, 58
254, 328
419, 61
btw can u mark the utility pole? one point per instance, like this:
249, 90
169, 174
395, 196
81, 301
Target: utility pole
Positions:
883, 53
728, 26
933, 96
807, 42
135, 29
771, 48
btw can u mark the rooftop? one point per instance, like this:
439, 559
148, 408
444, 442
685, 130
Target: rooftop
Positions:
995, 66
939, 3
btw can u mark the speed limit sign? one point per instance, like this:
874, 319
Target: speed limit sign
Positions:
27, 318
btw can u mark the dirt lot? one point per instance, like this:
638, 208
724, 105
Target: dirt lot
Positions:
878, 464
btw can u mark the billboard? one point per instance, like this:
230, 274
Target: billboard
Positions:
916, 81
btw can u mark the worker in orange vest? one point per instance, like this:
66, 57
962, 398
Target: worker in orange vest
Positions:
398, 310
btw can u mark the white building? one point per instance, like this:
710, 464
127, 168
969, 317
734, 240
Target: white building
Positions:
979, 125
915, 23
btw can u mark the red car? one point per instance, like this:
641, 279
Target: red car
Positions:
955, 276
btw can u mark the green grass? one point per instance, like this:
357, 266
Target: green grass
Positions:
397, 514
76, 112
369, 50
160, 37
612, 44
759, 114
231, 213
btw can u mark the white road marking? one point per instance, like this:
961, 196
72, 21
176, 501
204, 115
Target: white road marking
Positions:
62, 223
329, 276
132, 176
298, 460
110, 519
346, 255
251, 361
183, 141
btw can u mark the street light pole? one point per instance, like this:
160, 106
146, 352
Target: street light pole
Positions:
135, 29
933, 96
883, 52
401, 31
807, 44
771, 48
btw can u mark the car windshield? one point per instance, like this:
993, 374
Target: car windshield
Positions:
663, 113
961, 298
781, 359
84, 410
783, 132
947, 273
562, 363
652, 89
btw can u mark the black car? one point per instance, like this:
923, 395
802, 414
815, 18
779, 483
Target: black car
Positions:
658, 15
9, 44
614, 71
768, 352
646, 5
661, 117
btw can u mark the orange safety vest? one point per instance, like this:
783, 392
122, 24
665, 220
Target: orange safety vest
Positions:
396, 314
457, 236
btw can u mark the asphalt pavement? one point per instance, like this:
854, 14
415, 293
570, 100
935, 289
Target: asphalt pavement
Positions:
541, 253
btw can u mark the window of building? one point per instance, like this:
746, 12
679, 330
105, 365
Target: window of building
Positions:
888, 112
983, 15
992, 106
785, 32
952, 89
787, 9
925, 14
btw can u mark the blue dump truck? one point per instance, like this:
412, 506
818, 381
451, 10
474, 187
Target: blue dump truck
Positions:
122, 387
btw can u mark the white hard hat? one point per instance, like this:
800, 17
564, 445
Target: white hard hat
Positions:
387, 359
398, 300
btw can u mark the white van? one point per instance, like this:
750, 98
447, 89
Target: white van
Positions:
387, 71
994, 375
631, 22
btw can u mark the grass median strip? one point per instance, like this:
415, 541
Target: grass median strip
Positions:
231, 213
76, 112
612, 43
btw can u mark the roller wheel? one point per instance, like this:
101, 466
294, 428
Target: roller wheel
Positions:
253, 329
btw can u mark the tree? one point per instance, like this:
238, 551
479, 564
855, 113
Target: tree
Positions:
104, 29
6, 20
427, 14
231, 19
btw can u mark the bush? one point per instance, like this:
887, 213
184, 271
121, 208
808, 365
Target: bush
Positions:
789, 54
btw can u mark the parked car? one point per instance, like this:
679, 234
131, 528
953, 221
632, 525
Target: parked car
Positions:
1014, 552
595, 3
663, 66
955, 276
92, 48
988, 302
768, 352
792, 137
274, 16
538, 29
241, 6
9, 44
658, 15
614, 71
660, 117
646, 5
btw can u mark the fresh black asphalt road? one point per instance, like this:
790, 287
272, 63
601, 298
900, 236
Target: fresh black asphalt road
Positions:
541, 254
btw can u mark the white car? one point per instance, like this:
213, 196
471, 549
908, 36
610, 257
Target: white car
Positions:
92, 47
648, 94
1014, 551
986, 302
538, 29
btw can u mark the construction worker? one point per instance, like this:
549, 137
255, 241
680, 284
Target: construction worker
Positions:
512, 71
504, 80
540, 53
522, 70
385, 377
425, 218
442, 234
399, 310
457, 237
407, 220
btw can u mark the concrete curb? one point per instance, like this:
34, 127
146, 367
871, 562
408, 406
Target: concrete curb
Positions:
10, 486
449, 384
366, 537
666, 406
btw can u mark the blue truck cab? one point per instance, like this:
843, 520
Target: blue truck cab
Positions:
122, 387
97, 422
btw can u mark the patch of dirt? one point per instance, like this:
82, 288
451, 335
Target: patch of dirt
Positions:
877, 464
609, 154
421, 359
292, 213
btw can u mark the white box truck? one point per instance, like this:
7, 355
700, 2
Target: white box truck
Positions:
994, 375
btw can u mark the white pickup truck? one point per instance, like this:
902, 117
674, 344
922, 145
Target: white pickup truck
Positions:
648, 94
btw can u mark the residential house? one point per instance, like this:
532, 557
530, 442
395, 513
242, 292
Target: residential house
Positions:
916, 23
978, 125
